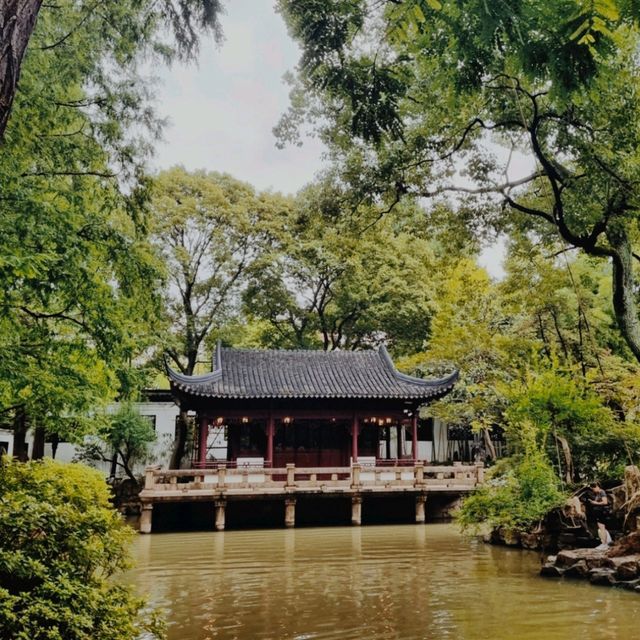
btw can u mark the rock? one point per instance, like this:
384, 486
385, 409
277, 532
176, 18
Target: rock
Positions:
550, 570
573, 508
629, 585
602, 576
626, 567
627, 545
567, 540
551, 559
569, 557
530, 540
577, 570
510, 538
597, 561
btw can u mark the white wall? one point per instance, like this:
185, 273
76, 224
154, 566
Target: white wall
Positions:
165, 414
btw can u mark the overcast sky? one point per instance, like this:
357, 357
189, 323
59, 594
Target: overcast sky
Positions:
222, 111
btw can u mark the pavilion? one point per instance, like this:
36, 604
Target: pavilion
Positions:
308, 408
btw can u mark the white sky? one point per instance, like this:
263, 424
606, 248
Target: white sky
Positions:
222, 111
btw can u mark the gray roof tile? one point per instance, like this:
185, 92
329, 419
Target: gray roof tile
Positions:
250, 373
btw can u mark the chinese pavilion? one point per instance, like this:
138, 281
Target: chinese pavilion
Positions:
309, 408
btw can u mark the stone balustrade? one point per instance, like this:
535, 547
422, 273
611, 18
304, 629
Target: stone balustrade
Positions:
166, 484
221, 483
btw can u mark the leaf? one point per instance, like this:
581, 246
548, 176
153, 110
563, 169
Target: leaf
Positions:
585, 26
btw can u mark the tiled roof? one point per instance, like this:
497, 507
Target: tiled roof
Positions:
246, 373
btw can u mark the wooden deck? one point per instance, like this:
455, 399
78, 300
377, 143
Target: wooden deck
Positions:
221, 484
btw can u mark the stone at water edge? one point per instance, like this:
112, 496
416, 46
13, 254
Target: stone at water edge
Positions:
569, 557
550, 570
602, 576
626, 567
577, 570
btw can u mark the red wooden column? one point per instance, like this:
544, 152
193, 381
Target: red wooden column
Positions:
202, 445
270, 432
354, 440
414, 435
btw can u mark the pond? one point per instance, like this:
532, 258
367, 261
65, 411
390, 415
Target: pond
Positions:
378, 582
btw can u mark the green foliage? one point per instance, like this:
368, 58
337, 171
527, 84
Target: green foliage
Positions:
61, 542
519, 492
560, 408
338, 278
554, 81
78, 279
209, 228
123, 439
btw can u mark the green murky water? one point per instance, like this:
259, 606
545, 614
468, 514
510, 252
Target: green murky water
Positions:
377, 583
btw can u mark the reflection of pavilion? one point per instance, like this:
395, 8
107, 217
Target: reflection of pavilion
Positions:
309, 408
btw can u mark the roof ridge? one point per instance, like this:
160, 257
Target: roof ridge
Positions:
278, 350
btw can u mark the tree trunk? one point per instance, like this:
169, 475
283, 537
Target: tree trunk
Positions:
181, 440
568, 459
55, 441
37, 450
113, 472
20, 436
624, 303
17, 21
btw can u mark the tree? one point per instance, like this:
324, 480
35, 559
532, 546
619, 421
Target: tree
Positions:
62, 545
338, 280
516, 496
125, 31
411, 91
209, 229
124, 441
78, 278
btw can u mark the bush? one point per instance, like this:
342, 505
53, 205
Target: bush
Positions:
519, 493
60, 543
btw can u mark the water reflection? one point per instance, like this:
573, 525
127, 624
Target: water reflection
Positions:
371, 582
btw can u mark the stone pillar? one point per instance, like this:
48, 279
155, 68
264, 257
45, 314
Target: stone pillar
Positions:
414, 435
418, 471
270, 432
354, 440
421, 500
290, 512
202, 444
146, 517
356, 510
220, 514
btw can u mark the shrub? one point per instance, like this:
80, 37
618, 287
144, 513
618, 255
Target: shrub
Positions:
60, 544
519, 493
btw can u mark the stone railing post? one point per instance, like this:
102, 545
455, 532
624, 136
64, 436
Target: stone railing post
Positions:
291, 475
419, 473
149, 478
480, 473
222, 475
355, 475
